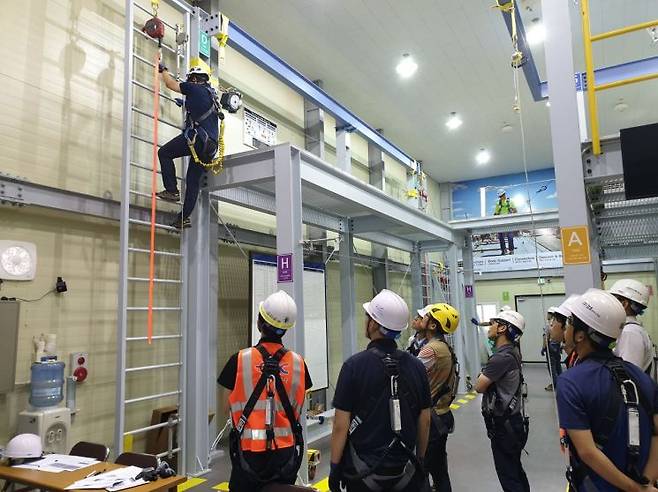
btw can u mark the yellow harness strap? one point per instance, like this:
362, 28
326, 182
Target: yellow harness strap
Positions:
217, 164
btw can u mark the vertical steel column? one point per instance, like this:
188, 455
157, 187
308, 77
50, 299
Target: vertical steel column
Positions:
200, 306
456, 300
126, 151
314, 126
417, 280
347, 291
288, 196
565, 136
378, 180
469, 311
344, 150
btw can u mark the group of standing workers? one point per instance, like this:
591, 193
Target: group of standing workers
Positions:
607, 402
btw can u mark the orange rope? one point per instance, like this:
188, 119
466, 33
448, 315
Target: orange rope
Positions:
156, 115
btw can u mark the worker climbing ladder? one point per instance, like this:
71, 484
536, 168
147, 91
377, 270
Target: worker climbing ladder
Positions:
151, 327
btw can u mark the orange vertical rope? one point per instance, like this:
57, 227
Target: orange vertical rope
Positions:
154, 173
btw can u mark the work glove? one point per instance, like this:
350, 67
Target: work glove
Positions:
475, 321
179, 102
336, 482
161, 67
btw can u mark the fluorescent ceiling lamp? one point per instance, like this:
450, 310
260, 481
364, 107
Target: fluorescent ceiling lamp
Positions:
407, 66
454, 121
483, 156
536, 34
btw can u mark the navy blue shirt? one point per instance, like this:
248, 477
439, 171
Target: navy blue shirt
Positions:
363, 385
583, 393
197, 101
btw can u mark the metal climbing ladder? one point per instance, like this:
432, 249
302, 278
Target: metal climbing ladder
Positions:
133, 376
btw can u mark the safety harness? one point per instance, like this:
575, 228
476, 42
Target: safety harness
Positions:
367, 473
212, 151
518, 400
626, 392
271, 378
445, 389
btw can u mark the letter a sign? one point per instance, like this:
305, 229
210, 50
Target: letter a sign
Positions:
575, 245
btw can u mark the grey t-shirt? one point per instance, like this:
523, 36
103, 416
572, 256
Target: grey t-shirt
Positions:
503, 369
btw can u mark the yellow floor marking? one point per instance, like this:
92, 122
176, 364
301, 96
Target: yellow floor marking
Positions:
322, 485
191, 482
221, 486
470, 397
462, 401
454, 406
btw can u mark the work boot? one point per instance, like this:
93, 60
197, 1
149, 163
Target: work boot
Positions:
169, 196
180, 223
549, 387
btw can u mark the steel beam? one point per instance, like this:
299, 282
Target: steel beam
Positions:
499, 223
246, 168
344, 150
347, 295
314, 126
569, 178
246, 45
288, 185
417, 296
456, 300
469, 311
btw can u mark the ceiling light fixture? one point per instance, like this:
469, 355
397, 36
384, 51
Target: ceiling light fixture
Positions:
483, 156
407, 66
507, 128
621, 106
536, 33
454, 121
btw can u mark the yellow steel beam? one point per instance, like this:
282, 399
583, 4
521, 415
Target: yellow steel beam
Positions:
624, 30
589, 65
631, 80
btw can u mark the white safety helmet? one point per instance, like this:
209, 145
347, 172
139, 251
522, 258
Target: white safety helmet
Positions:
563, 308
423, 311
632, 290
505, 308
198, 70
516, 320
24, 446
552, 310
279, 310
501, 192
601, 312
389, 310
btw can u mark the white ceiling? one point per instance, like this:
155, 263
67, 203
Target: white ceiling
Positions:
463, 52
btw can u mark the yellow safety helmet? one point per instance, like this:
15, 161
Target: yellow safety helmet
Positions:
446, 315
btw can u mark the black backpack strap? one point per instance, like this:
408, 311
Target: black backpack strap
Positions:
445, 389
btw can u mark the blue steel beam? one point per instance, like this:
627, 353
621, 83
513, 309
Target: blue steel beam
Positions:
245, 44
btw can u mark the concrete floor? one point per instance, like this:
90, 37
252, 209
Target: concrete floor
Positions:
469, 453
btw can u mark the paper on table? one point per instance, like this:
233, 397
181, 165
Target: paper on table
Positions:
56, 463
114, 480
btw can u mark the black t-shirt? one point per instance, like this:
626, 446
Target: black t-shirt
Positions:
503, 369
197, 102
363, 384
230, 372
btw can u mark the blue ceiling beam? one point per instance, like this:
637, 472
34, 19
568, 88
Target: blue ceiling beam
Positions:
245, 44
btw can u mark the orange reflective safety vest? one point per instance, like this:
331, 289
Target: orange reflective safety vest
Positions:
293, 375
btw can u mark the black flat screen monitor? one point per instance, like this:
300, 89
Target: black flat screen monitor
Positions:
639, 153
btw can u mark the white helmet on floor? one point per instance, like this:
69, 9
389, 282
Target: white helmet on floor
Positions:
515, 320
601, 312
632, 290
505, 308
389, 310
24, 446
279, 310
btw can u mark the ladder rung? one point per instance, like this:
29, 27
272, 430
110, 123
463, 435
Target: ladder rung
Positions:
143, 60
145, 308
166, 453
148, 195
142, 139
149, 115
139, 166
146, 87
156, 280
163, 253
150, 427
156, 366
152, 397
154, 337
148, 224
143, 34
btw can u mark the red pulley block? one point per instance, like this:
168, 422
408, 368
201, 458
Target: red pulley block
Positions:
154, 28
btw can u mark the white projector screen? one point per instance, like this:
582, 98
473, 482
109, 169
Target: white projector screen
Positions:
264, 283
